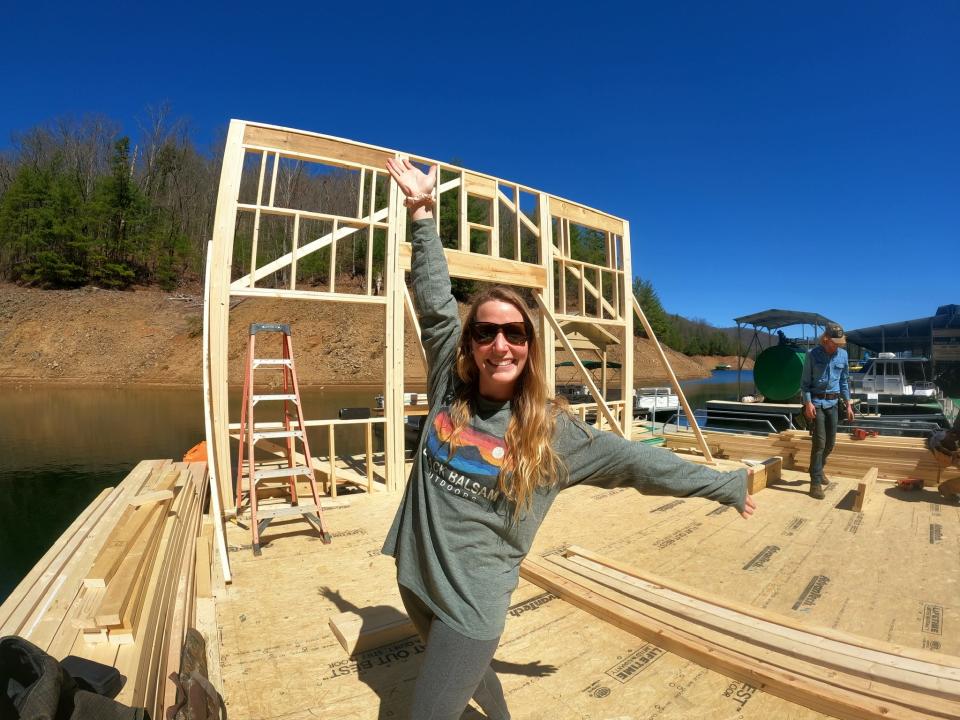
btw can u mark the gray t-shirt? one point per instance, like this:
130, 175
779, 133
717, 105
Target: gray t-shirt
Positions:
454, 538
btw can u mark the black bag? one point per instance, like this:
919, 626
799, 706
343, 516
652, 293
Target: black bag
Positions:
34, 685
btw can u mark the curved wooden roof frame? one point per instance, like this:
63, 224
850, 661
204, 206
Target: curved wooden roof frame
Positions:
601, 293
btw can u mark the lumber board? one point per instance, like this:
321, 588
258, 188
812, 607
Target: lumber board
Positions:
760, 473
120, 588
369, 627
472, 266
167, 480
336, 152
55, 630
812, 693
924, 656
141, 660
150, 497
584, 216
121, 539
863, 490
182, 616
772, 639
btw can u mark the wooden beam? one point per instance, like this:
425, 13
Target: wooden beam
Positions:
218, 306
902, 651
151, 497
216, 506
584, 216
761, 473
815, 693
691, 418
480, 186
121, 588
370, 627
864, 488
883, 676
339, 152
473, 266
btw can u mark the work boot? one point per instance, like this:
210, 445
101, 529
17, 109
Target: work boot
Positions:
825, 483
816, 491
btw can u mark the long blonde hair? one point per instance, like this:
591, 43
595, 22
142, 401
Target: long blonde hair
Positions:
530, 461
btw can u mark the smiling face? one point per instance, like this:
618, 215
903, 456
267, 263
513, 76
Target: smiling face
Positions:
499, 363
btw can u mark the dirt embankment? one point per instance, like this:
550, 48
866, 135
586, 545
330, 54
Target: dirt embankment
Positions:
151, 337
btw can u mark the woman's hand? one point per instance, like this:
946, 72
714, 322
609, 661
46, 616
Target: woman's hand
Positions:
749, 506
413, 182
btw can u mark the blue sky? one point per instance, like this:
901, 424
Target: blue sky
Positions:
792, 155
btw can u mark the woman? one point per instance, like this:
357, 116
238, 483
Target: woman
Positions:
495, 452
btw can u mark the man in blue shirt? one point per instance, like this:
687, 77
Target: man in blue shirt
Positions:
823, 383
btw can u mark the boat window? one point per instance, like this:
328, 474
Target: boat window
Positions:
914, 372
879, 368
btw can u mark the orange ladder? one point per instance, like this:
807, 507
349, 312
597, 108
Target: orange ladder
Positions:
293, 429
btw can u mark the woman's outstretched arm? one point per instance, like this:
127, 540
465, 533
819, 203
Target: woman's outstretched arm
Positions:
608, 460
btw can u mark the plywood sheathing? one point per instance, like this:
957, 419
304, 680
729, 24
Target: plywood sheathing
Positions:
890, 574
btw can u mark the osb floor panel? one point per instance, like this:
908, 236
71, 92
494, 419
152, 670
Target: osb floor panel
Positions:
889, 573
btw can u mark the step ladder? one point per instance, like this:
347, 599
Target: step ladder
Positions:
291, 429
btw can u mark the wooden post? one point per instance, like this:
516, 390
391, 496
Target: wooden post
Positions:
549, 292
224, 224
626, 372
333, 460
216, 510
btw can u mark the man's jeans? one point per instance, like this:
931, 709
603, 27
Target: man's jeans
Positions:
824, 435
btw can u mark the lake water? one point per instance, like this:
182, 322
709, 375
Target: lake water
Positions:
62, 445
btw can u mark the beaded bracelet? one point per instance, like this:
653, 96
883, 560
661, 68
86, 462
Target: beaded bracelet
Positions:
420, 199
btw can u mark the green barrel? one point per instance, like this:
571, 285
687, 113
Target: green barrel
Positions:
777, 371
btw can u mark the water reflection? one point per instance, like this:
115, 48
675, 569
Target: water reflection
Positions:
61, 446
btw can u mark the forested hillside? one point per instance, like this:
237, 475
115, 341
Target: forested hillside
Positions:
82, 202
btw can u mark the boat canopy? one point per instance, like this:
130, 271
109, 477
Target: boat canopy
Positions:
773, 319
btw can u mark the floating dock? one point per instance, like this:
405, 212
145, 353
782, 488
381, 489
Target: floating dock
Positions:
887, 573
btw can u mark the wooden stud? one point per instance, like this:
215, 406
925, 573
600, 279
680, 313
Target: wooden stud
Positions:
626, 370
215, 503
473, 266
368, 445
293, 252
332, 472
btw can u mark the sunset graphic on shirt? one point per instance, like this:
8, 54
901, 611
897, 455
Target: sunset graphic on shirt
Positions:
478, 453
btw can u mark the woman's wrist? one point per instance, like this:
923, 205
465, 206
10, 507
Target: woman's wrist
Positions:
421, 212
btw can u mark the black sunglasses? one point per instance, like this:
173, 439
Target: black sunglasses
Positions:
485, 333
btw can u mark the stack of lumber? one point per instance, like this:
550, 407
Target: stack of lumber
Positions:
828, 671
118, 586
894, 457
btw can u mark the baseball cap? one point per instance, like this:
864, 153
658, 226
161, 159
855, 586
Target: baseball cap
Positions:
835, 333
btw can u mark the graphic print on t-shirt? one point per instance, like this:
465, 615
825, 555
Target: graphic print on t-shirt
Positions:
473, 470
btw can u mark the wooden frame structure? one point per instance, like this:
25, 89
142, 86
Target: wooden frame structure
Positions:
505, 233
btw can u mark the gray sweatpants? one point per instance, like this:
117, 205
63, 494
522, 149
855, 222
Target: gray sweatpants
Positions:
454, 669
